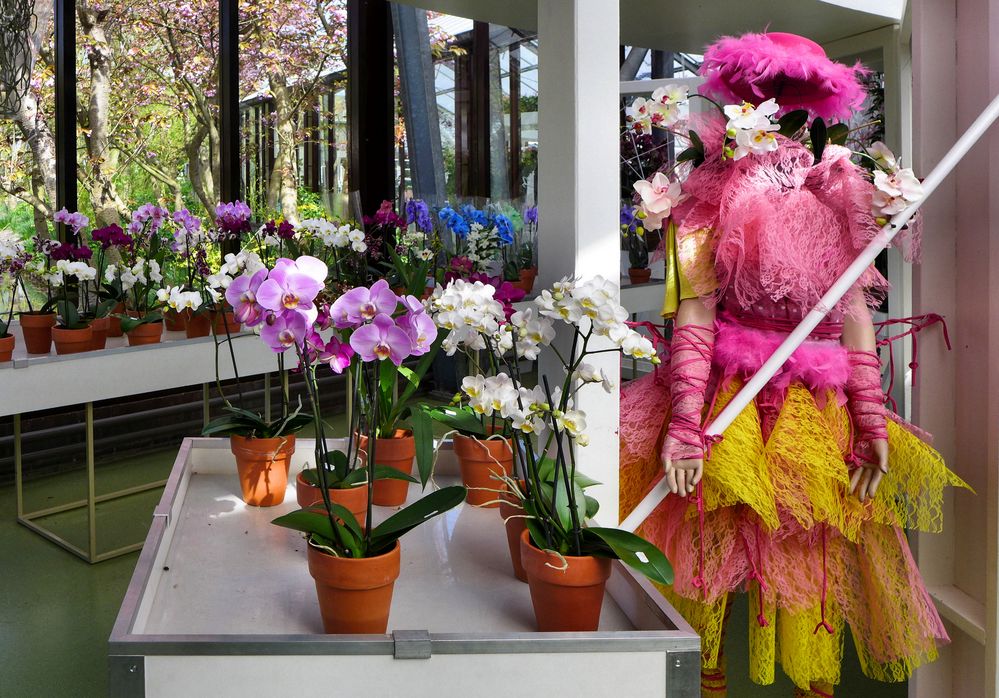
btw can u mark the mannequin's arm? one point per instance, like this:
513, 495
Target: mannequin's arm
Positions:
690, 366
865, 401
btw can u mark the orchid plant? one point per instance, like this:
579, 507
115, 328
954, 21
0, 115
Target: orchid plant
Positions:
476, 235
416, 252
545, 421
13, 259
371, 332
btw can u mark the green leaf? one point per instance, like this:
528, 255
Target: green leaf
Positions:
792, 122
695, 140
819, 138
382, 472
636, 552
459, 418
409, 374
592, 506
337, 460
423, 434
838, 134
563, 506
315, 520
227, 426
390, 530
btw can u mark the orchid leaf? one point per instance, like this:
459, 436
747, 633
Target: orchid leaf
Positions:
634, 551
390, 530
838, 134
423, 434
409, 374
459, 418
819, 137
382, 472
592, 506
792, 122
337, 460
315, 520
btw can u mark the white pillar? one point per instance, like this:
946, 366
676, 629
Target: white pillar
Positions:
578, 131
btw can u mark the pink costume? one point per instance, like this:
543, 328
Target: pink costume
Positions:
761, 239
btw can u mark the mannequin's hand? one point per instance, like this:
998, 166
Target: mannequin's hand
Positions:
682, 474
865, 480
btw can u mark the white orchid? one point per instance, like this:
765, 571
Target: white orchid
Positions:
155, 273
883, 156
748, 117
426, 255
670, 94
11, 245
639, 115
359, 246
756, 141
573, 422
110, 272
901, 183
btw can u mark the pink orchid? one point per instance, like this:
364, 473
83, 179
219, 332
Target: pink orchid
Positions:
242, 296
337, 354
382, 339
360, 305
421, 329
292, 285
658, 198
285, 330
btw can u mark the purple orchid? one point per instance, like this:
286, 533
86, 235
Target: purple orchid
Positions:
242, 296
359, 305
286, 231
421, 329
76, 221
292, 285
413, 305
382, 339
232, 219
337, 354
283, 331
531, 214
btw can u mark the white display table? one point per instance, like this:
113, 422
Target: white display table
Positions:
45, 381
221, 603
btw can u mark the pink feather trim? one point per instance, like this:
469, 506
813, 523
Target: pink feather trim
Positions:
820, 365
791, 69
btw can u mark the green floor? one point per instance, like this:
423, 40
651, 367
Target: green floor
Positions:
56, 611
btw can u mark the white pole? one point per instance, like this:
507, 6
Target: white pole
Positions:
827, 302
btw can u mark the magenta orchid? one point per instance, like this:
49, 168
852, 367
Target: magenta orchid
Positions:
242, 296
337, 355
360, 305
292, 285
284, 331
382, 339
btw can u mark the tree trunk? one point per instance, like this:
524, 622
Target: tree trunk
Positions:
108, 205
282, 190
200, 168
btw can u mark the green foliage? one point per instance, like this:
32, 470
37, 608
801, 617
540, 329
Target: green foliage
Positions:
242, 422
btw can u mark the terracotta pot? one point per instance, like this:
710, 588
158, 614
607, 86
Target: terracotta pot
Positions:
72, 341
639, 276
99, 333
173, 321
114, 323
6, 347
262, 465
526, 280
480, 461
397, 452
197, 324
512, 513
37, 330
355, 499
355, 594
221, 320
146, 333
564, 600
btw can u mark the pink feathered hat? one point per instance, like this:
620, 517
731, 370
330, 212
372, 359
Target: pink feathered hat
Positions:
789, 68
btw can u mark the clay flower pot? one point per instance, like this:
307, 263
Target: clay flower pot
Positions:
69, 341
526, 281
114, 323
37, 330
146, 333
173, 321
355, 594
355, 499
6, 347
564, 600
99, 333
483, 462
639, 275
512, 513
197, 324
221, 320
262, 465
397, 452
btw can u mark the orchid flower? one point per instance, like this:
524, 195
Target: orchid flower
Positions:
756, 141
292, 285
747, 117
242, 296
360, 305
658, 199
285, 330
380, 340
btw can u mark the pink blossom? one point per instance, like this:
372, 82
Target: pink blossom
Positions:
242, 296
380, 340
282, 331
292, 285
658, 198
421, 330
360, 305
337, 354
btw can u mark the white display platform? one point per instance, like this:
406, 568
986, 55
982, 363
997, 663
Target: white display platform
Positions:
221, 603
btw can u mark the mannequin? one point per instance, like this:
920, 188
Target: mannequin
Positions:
803, 502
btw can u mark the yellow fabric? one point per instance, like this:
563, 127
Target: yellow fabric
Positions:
677, 287
800, 470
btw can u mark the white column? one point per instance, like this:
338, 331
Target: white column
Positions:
578, 190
